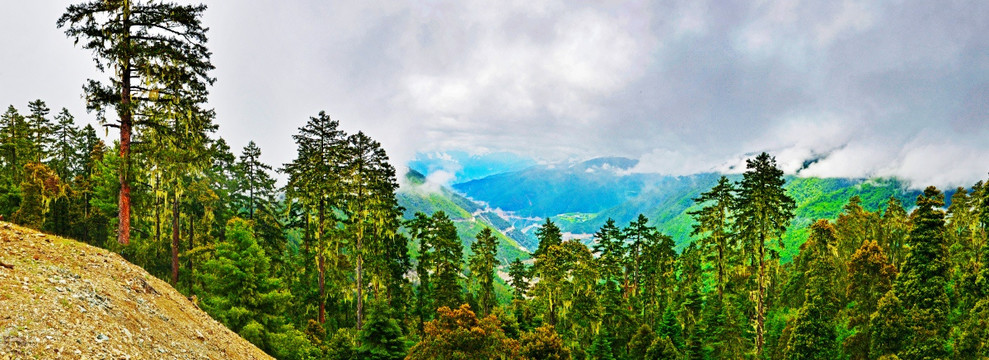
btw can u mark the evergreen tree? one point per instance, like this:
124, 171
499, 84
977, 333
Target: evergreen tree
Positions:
610, 250
40, 130
601, 347
888, 330
895, 227
159, 64
662, 349
64, 160
16, 143
519, 278
922, 281
459, 334
369, 187
764, 211
257, 187
482, 268
714, 220
381, 338
869, 276
814, 335
543, 343
314, 181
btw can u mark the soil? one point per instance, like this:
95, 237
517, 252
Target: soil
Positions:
62, 299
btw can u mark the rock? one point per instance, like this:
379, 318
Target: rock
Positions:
101, 338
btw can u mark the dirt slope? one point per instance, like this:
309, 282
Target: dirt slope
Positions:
64, 299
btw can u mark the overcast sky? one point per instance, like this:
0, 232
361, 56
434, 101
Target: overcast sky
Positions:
870, 88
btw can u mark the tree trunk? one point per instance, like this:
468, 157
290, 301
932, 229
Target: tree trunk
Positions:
360, 289
192, 238
123, 226
322, 288
321, 264
760, 301
175, 240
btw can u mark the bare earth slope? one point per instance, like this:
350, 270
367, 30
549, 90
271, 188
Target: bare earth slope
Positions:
60, 298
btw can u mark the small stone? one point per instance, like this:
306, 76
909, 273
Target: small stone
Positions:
101, 338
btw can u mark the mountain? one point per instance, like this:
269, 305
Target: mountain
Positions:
586, 187
416, 195
581, 197
60, 298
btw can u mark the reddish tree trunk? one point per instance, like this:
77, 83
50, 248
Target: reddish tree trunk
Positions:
125, 111
175, 241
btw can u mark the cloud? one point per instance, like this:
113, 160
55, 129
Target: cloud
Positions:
840, 88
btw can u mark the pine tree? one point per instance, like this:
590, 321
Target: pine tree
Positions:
257, 187
814, 335
314, 181
381, 338
601, 347
610, 250
159, 64
64, 160
888, 329
895, 227
369, 187
764, 211
519, 278
40, 131
543, 343
870, 276
16, 143
459, 334
482, 268
714, 220
921, 283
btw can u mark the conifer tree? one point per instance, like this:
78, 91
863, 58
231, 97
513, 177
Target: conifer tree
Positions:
314, 181
64, 160
921, 283
519, 278
814, 335
369, 187
16, 143
257, 187
764, 211
381, 338
610, 250
40, 129
870, 276
895, 227
714, 221
543, 343
156, 56
887, 327
482, 268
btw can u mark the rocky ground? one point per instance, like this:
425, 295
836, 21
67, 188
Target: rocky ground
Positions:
62, 299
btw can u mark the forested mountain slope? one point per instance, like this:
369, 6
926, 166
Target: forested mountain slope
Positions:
60, 298
581, 197
468, 216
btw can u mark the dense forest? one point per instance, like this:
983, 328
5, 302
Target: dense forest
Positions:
328, 267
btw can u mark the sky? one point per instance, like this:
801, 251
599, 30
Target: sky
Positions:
831, 88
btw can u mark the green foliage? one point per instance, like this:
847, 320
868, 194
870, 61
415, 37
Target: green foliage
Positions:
381, 337
459, 334
482, 265
923, 279
543, 343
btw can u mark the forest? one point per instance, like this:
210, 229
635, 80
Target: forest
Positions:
327, 267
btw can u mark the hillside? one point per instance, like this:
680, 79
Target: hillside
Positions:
468, 216
60, 298
582, 196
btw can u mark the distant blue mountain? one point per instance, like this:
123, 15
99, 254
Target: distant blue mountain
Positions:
581, 197
465, 166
